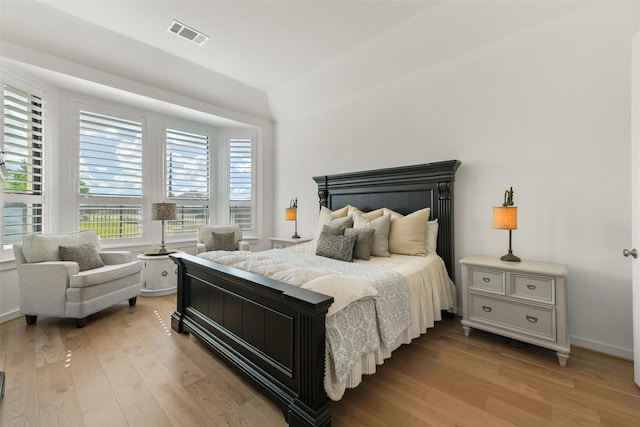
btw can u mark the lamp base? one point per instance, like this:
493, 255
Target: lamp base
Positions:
510, 257
161, 251
295, 236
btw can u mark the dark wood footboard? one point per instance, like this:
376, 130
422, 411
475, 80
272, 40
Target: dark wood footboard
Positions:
271, 332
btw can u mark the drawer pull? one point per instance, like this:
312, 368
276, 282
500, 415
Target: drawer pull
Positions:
532, 319
164, 273
531, 287
486, 279
486, 308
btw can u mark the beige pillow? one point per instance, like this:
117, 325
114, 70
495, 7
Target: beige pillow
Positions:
326, 215
407, 234
369, 215
432, 235
380, 236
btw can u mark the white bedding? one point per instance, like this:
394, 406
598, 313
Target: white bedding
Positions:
356, 342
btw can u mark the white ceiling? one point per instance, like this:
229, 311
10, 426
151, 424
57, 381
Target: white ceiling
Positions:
263, 44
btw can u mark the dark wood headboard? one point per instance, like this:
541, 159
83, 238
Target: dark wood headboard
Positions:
402, 189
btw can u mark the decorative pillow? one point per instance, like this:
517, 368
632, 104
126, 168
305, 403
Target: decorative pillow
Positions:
336, 231
353, 211
336, 247
407, 234
432, 235
380, 236
326, 215
44, 247
364, 243
86, 255
225, 241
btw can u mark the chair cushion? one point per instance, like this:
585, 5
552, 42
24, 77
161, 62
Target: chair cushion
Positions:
104, 274
44, 247
85, 255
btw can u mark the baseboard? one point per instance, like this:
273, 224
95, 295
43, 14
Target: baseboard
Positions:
5, 317
624, 353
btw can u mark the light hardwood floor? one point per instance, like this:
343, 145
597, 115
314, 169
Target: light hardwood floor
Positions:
127, 367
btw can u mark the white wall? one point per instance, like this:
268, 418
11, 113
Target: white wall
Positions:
545, 110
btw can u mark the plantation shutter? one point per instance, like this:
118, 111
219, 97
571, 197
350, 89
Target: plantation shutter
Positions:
187, 179
110, 156
24, 164
241, 182
187, 165
110, 173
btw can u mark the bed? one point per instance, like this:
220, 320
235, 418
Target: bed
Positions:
276, 334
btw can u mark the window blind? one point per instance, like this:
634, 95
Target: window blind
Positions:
241, 182
110, 156
24, 161
187, 168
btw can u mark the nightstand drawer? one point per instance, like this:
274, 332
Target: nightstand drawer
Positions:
487, 280
536, 321
532, 287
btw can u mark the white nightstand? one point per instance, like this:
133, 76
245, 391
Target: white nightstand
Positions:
285, 242
524, 300
160, 275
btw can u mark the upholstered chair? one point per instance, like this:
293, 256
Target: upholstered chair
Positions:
68, 275
221, 237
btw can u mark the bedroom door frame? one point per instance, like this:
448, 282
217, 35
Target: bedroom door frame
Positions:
635, 200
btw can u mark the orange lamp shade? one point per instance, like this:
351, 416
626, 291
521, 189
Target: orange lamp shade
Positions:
291, 214
505, 217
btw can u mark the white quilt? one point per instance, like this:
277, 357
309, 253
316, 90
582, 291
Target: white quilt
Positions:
373, 311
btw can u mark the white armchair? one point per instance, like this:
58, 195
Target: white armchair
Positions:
50, 286
206, 238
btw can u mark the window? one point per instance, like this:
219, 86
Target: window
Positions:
241, 181
110, 173
23, 148
187, 180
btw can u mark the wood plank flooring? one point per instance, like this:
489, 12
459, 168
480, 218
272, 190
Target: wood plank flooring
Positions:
127, 367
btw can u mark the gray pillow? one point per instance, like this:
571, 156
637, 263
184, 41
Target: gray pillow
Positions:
364, 243
225, 241
336, 247
86, 255
336, 231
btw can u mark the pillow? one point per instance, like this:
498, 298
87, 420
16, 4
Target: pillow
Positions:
336, 231
326, 215
345, 222
223, 241
432, 235
380, 236
86, 255
336, 247
364, 242
369, 215
407, 234
44, 247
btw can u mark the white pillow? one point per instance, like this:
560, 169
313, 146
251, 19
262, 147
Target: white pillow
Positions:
380, 235
44, 247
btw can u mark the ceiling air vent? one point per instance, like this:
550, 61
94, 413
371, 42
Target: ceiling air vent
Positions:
187, 32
